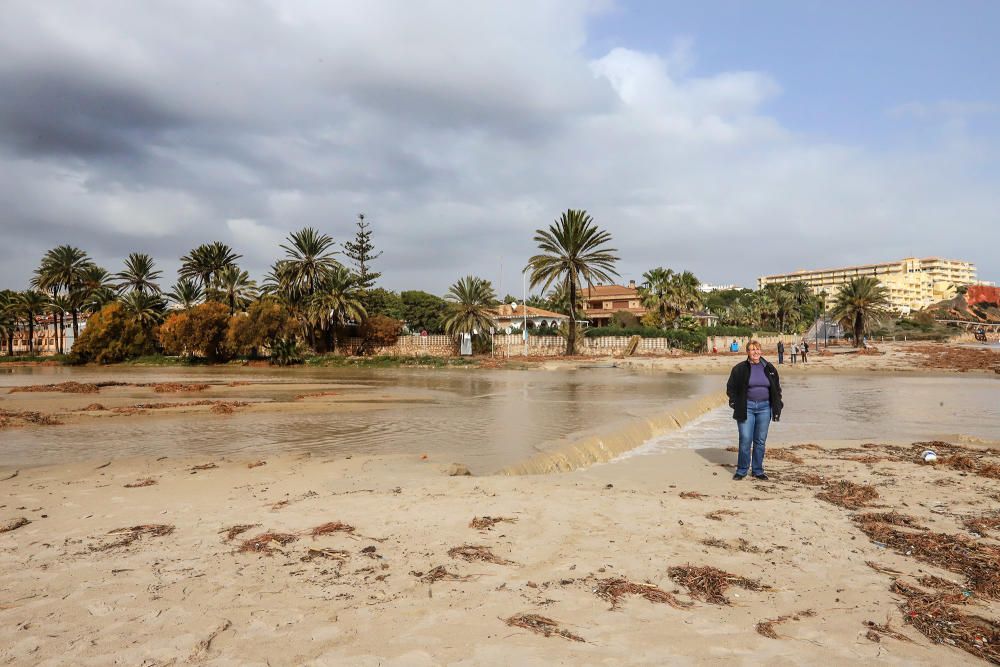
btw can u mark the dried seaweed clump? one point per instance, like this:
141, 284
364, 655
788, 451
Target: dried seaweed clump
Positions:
256, 464
132, 534
809, 479
982, 524
991, 470
487, 522
876, 630
718, 514
692, 495
175, 387
472, 553
959, 462
542, 626
848, 494
203, 466
977, 561
766, 627
13, 524
613, 590
238, 529
264, 543
22, 417
942, 623
331, 527
93, 407
709, 584
779, 454
741, 545
63, 387
892, 518
439, 573
140, 483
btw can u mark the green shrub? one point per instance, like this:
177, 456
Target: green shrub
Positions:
112, 335
380, 331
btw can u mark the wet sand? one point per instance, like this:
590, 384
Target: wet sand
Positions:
128, 559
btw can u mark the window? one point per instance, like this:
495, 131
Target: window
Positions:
608, 305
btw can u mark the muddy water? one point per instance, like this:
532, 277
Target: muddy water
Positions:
825, 407
485, 419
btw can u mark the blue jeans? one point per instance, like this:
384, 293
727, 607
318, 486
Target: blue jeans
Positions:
753, 432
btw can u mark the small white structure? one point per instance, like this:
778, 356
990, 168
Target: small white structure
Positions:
512, 317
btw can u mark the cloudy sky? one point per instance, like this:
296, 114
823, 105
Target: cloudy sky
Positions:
731, 138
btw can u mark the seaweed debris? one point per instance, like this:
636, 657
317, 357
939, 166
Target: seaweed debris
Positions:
542, 626
487, 522
766, 627
709, 584
133, 534
331, 527
718, 514
264, 543
13, 524
613, 590
848, 494
942, 623
140, 483
692, 495
439, 573
472, 553
238, 529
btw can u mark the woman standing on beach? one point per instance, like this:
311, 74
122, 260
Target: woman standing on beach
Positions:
755, 397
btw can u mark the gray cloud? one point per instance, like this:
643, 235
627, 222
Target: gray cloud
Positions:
458, 129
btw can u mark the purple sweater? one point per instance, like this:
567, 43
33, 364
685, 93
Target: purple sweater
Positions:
759, 387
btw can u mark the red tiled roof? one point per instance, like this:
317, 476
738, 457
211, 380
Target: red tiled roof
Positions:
598, 291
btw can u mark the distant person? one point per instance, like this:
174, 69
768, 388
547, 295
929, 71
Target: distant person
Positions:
795, 352
805, 351
755, 397
781, 352
735, 347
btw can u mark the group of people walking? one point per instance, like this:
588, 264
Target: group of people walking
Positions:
798, 350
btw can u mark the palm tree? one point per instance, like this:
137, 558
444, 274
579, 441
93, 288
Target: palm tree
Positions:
785, 304
61, 271
574, 252
186, 293
336, 302
27, 306
205, 261
147, 309
471, 302
57, 307
654, 293
8, 318
139, 274
859, 304
234, 287
686, 289
308, 261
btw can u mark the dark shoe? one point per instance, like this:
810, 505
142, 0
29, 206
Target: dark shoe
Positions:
738, 477
762, 478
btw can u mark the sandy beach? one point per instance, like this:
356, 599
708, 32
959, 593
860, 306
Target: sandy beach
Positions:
854, 553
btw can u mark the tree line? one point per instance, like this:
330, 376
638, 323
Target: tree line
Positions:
309, 298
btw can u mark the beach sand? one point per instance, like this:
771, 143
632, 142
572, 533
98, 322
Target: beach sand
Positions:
142, 561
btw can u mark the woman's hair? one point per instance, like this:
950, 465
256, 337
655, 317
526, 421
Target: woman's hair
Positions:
753, 343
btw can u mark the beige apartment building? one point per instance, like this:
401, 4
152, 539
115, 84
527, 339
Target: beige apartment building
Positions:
913, 283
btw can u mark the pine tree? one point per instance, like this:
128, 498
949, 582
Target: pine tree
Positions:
361, 252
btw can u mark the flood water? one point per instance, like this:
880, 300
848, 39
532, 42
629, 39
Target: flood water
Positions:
827, 407
487, 419
484, 419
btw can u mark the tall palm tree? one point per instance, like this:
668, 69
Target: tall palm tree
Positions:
574, 251
186, 293
8, 318
27, 306
686, 288
336, 302
205, 261
859, 304
147, 309
471, 302
61, 271
234, 287
139, 275
308, 260
57, 307
785, 304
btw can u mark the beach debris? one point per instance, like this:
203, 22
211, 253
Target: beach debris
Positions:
140, 483
219, 407
692, 495
203, 466
62, 387
238, 529
472, 553
439, 573
133, 534
11, 476
848, 494
929, 456
614, 589
740, 545
942, 623
487, 522
709, 584
783, 454
222, 409
338, 555
892, 518
808, 478
962, 462
316, 394
176, 387
331, 527
458, 470
24, 417
542, 626
93, 407
884, 629
766, 627
717, 515
265, 542
956, 594
981, 524
978, 562
256, 464
991, 470
13, 524
883, 569
205, 644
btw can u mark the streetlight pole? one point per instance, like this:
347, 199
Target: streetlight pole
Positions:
524, 305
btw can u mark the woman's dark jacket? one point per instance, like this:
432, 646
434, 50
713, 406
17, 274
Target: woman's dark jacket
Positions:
739, 382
